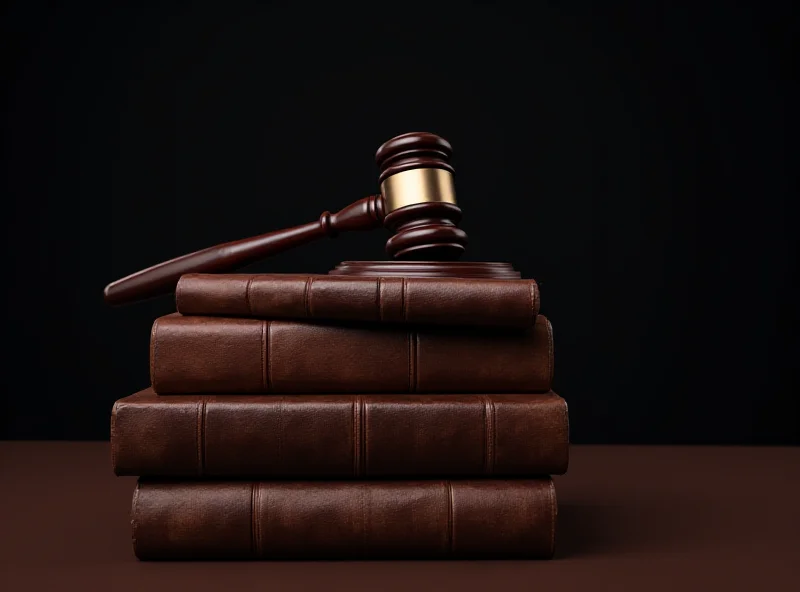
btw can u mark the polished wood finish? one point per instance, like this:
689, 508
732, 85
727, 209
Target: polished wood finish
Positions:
415, 150
421, 231
364, 214
424, 231
450, 269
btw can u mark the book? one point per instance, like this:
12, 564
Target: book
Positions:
339, 436
192, 354
344, 520
445, 301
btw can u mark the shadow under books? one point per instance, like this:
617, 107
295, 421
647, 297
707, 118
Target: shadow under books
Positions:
640, 526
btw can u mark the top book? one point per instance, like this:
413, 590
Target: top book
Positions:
411, 300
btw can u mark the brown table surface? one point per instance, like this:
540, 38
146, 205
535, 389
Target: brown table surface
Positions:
630, 518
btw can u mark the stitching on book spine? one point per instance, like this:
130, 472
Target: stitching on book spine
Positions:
262, 491
201, 413
416, 361
254, 522
134, 523
307, 296
403, 298
356, 438
486, 435
380, 299
247, 296
279, 433
268, 358
153, 352
412, 361
491, 435
410, 365
450, 518
264, 355
253, 551
203, 438
364, 439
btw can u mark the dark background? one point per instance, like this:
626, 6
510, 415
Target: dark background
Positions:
635, 158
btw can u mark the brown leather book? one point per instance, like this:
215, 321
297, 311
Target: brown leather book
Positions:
437, 301
190, 354
339, 436
344, 520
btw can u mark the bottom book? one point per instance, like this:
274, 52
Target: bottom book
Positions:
184, 520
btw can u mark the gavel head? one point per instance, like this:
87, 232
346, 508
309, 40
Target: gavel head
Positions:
419, 200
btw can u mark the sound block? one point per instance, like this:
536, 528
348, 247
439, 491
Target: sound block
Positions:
439, 269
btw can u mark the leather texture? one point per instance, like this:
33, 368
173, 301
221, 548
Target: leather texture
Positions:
444, 301
193, 354
344, 520
339, 436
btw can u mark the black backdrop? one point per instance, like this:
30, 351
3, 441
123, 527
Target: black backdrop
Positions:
635, 158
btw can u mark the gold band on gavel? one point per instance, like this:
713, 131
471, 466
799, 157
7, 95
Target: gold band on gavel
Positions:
418, 186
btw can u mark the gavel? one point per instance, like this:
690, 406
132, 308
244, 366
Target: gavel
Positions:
417, 204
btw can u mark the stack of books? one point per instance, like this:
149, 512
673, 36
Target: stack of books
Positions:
300, 417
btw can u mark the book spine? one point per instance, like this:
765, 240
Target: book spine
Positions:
340, 437
216, 355
344, 520
446, 301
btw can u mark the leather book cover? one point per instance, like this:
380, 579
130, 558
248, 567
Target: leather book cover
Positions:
437, 301
339, 436
344, 520
191, 354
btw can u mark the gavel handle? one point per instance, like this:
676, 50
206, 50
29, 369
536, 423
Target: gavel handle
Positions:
162, 278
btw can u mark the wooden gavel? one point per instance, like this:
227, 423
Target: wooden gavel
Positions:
417, 204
